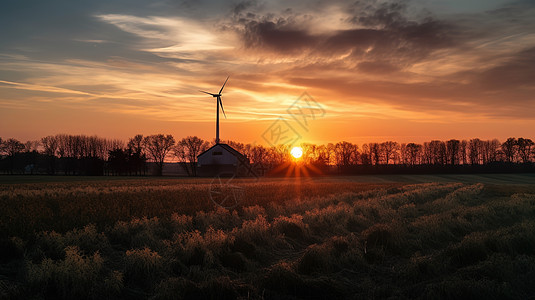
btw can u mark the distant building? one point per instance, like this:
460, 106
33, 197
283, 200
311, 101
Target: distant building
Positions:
222, 160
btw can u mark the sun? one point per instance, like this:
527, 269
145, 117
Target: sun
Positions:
296, 152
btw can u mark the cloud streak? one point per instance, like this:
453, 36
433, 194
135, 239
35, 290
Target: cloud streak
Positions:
376, 60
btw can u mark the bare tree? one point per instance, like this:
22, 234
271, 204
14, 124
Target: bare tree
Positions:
366, 155
188, 149
463, 152
524, 147
157, 147
452, 151
509, 148
389, 150
413, 153
345, 153
375, 151
31, 146
137, 157
50, 145
12, 147
474, 147
136, 144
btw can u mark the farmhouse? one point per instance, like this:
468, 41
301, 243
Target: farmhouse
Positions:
222, 160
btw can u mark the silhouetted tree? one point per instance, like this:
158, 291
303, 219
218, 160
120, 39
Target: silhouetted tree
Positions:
346, 154
474, 148
136, 144
524, 147
413, 153
137, 158
118, 161
509, 149
375, 151
258, 159
30, 146
452, 151
188, 149
389, 150
463, 152
11, 147
157, 147
366, 155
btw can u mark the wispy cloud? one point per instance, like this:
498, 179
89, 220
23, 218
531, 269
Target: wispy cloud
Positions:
419, 61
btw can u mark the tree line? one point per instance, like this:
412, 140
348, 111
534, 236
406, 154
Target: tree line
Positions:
92, 155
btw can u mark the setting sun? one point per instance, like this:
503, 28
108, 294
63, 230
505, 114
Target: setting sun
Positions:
296, 152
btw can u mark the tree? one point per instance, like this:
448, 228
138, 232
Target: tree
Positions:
463, 152
413, 152
389, 150
365, 155
157, 147
50, 145
375, 152
118, 161
258, 158
509, 149
187, 151
30, 146
137, 158
136, 143
345, 153
524, 147
12, 147
452, 151
474, 147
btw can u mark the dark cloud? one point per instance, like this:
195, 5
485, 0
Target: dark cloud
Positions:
277, 36
383, 36
518, 71
241, 6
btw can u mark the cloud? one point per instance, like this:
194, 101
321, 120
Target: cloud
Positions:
380, 37
377, 59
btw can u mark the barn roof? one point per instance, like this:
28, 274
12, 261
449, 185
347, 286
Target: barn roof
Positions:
228, 148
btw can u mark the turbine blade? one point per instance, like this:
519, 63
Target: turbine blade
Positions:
221, 103
223, 85
206, 93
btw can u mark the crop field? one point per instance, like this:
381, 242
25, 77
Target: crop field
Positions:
360, 237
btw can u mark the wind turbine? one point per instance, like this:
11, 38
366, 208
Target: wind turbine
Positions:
218, 103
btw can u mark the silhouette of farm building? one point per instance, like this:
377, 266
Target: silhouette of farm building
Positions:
222, 160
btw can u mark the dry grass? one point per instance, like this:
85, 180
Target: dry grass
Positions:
314, 239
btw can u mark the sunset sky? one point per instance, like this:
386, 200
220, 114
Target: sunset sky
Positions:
376, 70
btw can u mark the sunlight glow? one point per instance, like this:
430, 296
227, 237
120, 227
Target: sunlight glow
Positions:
296, 152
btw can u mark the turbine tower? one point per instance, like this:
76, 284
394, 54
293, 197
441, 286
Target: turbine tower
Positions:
218, 103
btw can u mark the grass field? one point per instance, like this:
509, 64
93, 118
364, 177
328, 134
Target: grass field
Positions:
371, 237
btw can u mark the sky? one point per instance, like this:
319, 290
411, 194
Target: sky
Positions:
313, 71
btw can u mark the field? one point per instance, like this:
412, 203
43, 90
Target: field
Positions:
361, 237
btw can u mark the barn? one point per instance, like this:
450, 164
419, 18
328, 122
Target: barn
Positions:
222, 160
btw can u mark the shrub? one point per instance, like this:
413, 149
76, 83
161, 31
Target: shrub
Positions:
77, 276
143, 267
469, 251
292, 227
316, 259
256, 231
252, 212
380, 236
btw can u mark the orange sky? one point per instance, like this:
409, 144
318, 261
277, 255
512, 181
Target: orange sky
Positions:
376, 70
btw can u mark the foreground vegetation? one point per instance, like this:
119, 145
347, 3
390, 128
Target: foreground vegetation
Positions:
320, 238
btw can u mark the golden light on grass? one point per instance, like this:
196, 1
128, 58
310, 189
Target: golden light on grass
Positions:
297, 152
